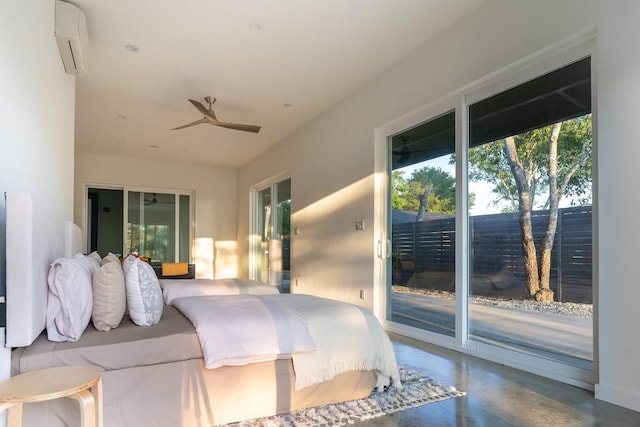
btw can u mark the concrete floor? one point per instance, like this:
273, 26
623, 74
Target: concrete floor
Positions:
496, 395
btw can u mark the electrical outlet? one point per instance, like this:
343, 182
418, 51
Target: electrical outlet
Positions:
361, 293
359, 225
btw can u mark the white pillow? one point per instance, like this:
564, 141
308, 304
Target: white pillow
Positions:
109, 296
110, 257
144, 296
93, 260
70, 299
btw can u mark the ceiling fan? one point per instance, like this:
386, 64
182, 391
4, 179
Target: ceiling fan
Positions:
210, 118
404, 152
154, 200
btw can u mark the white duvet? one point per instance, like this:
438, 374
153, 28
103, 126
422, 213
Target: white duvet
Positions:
340, 337
242, 329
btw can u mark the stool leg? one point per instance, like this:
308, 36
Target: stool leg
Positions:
87, 408
14, 414
97, 398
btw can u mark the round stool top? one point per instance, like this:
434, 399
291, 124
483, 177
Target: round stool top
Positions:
48, 384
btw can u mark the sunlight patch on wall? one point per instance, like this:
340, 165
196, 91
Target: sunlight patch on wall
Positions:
226, 259
348, 197
204, 257
330, 256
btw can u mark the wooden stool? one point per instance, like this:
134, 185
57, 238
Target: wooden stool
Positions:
81, 383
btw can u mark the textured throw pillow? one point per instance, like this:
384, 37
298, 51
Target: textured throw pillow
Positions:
70, 299
144, 296
109, 296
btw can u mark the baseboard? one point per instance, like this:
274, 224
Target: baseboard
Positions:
617, 396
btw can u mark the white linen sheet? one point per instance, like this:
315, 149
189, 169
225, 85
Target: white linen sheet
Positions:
175, 288
347, 337
241, 329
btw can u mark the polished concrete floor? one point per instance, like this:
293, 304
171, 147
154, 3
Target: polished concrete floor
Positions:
496, 395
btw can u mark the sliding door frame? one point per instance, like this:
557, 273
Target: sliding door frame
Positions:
553, 57
125, 204
255, 217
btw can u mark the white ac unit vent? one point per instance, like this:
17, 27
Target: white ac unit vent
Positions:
72, 37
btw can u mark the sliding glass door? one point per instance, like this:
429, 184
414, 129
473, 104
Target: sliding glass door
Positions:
531, 244
158, 226
489, 218
423, 225
271, 235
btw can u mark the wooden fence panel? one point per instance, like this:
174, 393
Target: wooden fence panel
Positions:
429, 246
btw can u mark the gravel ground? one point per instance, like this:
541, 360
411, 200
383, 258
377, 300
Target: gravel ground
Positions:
569, 309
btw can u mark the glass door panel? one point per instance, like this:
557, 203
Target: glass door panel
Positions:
280, 253
264, 231
531, 232
184, 228
423, 190
151, 227
273, 219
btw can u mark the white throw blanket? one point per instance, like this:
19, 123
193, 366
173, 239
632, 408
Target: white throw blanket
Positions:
347, 337
242, 329
176, 288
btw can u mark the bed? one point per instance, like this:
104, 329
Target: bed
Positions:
155, 376
172, 373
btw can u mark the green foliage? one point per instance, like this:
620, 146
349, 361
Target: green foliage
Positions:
284, 215
488, 163
399, 188
405, 194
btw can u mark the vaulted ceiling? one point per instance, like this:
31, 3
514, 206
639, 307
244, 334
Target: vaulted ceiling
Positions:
277, 64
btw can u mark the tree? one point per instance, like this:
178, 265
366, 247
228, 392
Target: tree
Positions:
549, 163
399, 188
429, 189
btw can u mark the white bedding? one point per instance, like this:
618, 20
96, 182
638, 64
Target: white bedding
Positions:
347, 337
242, 329
175, 288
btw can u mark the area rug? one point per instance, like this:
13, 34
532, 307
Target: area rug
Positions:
417, 390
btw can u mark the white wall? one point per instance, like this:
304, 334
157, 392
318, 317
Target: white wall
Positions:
331, 160
618, 154
215, 196
36, 125
36, 119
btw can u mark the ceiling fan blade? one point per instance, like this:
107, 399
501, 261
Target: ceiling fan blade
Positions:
203, 110
198, 122
210, 118
236, 126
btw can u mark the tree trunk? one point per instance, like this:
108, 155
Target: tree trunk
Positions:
422, 208
529, 255
544, 292
524, 206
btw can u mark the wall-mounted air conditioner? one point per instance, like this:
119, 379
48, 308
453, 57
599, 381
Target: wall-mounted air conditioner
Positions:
72, 37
